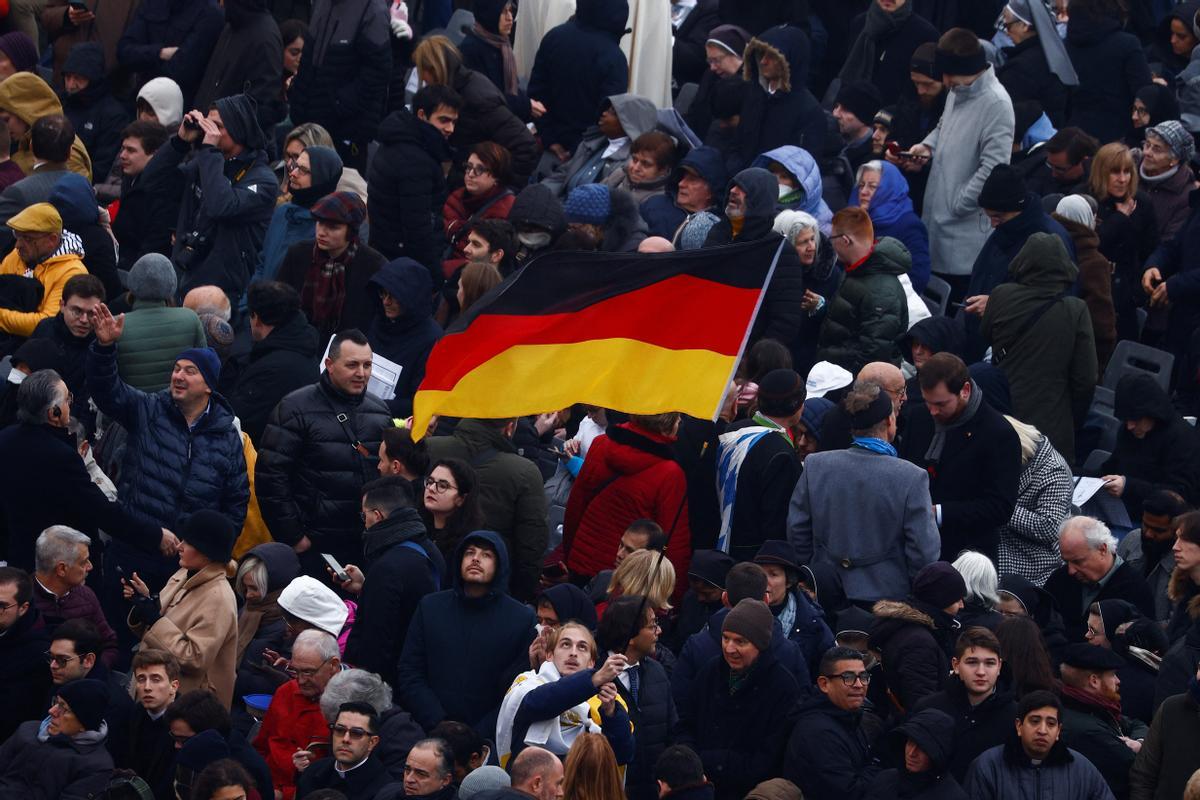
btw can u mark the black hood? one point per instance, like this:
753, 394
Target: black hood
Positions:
403, 128
240, 13
1085, 30
86, 59
281, 562
537, 205
933, 731
239, 115
609, 16
1139, 395
939, 334
294, 335
487, 14
570, 602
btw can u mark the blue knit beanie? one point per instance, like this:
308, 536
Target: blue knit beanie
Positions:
206, 360
590, 203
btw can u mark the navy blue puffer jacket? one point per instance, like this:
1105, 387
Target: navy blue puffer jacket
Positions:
170, 470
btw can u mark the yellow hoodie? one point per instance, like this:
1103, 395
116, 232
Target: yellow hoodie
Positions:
28, 98
53, 274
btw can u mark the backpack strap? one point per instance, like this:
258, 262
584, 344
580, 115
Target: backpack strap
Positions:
433, 573
1030, 321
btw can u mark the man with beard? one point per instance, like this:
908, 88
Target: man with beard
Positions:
1148, 551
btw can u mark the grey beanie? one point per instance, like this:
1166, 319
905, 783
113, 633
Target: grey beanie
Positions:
152, 278
1176, 137
484, 779
752, 619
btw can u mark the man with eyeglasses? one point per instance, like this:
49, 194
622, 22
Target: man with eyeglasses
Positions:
828, 754
24, 680
402, 566
982, 711
742, 706
352, 768
71, 330
293, 732
45, 253
1067, 162
1166, 175
1148, 550
74, 654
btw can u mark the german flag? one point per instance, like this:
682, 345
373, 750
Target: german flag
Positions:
638, 333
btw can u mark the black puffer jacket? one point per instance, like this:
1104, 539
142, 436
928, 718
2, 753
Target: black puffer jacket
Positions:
170, 469
1167, 457
914, 641
343, 78
59, 768
740, 733
828, 754
869, 313
780, 316
247, 59
191, 25
406, 191
485, 117
308, 477
283, 362
97, 116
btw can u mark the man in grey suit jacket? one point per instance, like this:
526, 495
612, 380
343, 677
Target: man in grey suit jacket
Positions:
863, 509
51, 139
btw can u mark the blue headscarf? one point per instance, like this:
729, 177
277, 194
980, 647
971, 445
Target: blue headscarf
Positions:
891, 200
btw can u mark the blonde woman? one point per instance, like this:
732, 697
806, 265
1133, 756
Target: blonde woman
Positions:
645, 572
564, 698
1029, 542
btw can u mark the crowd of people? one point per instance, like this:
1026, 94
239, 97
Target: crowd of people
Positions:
941, 540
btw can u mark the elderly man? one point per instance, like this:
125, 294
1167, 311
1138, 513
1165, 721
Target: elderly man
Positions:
694, 188
46, 254
208, 300
353, 769
1093, 571
183, 454
317, 451
294, 720
59, 594
1166, 175
862, 508
44, 482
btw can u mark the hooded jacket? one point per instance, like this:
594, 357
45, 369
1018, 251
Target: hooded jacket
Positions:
308, 478
461, 653
404, 565
791, 115
511, 493
1112, 67
780, 314
38, 766
1095, 287
165, 100
282, 362
1168, 457
485, 58
406, 191
75, 201
892, 214
29, 98
934, 732
803, 168
53, 274
974, 134
828, 754
247, 59
624, 230
573, 96
193, 26
227, 203
587, 165
915, 641
343, 83
1051, 366
97, 116
662, 214
739, 730
407, 339
869, 313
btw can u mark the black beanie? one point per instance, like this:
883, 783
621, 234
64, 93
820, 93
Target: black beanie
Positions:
1004, 190
861, 99
210, 532
939, 584
87, 698
751, 618
781, 393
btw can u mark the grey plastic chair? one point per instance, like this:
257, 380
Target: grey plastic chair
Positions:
1131, 357
936, 296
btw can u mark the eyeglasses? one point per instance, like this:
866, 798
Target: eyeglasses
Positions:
712, 62
307, 673
353, 733
439, 486
61, 661
62, 708
1141, 111
299, 170
843, 236
6, 606
899, 394
849, 678
475, 169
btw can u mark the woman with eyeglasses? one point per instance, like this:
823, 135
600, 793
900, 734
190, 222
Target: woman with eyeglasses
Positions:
1036, 67
451, 504
1152, 104
483, 195
311, 174
1127, 228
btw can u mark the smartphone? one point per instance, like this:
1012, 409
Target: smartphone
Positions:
339, 571
893, 147
320, 749
78, 5
957, 305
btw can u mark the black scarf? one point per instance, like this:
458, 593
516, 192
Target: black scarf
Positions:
403, 525
860, 61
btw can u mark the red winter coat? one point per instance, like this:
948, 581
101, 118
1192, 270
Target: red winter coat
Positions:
457, 212
291, 723
629, 474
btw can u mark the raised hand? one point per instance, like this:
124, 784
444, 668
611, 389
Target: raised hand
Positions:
108, 328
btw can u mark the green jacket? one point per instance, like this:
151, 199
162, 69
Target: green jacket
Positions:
1051, 366
154, 337
1091, 731
511, 493
869, 313
1169, 755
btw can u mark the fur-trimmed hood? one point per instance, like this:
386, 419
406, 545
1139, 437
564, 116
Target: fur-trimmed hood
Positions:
790, 45
901, 612
1182, 587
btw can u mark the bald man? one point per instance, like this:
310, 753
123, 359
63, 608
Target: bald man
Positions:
536, 773
208, 300
887, 377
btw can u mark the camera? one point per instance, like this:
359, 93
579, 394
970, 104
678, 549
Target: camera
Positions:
190, 124
192, 250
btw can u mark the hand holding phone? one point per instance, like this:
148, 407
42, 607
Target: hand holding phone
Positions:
339, 571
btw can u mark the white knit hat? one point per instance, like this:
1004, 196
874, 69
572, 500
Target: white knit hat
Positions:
315, 603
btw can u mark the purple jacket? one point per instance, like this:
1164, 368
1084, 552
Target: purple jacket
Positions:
79, 603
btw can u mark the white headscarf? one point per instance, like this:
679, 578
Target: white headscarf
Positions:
1076, 208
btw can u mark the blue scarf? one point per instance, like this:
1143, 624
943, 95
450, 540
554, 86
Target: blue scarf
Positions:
876, 446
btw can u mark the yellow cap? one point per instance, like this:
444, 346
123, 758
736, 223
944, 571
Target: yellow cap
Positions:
37, 218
